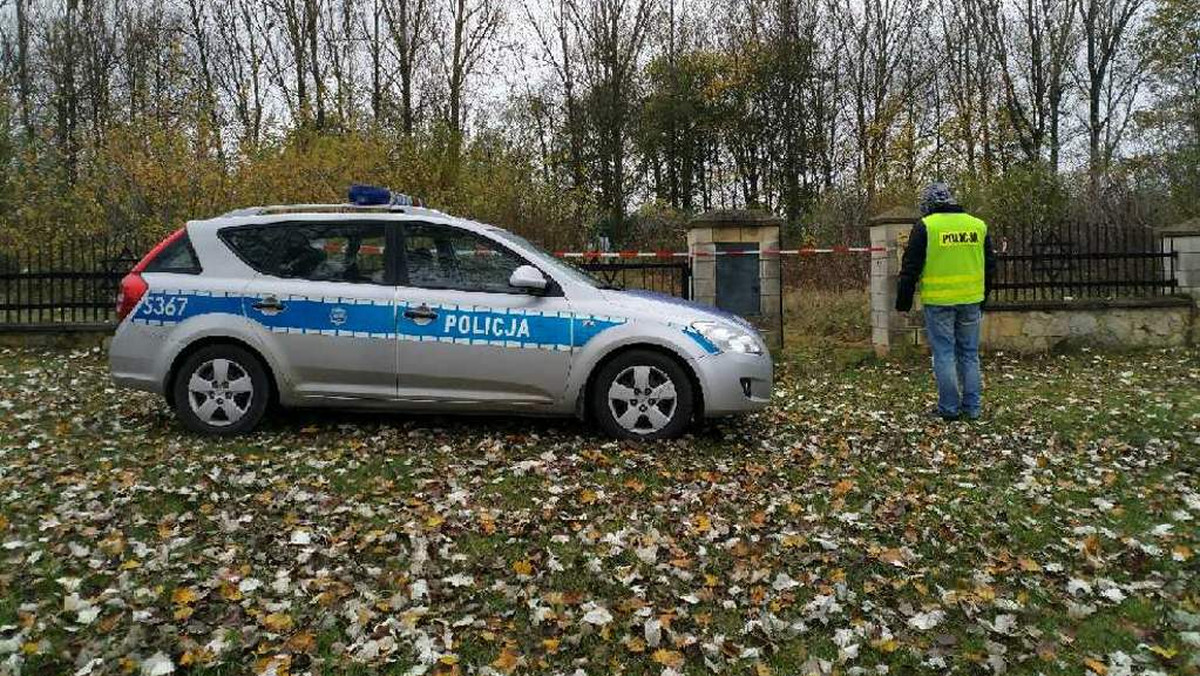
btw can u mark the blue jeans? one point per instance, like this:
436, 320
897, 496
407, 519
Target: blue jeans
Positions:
953, 332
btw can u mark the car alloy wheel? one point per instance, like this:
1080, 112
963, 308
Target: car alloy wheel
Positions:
642, 399
642, 395
220, 392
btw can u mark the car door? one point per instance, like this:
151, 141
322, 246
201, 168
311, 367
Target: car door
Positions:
325, 297
466, 336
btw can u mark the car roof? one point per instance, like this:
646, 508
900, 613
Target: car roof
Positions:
301, 213
284, 215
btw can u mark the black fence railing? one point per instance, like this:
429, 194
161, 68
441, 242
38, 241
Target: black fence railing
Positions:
673, 279
1074, 262
73, 283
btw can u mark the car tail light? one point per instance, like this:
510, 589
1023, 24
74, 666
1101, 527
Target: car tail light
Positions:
133, 287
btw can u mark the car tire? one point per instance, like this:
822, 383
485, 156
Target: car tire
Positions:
642, 395
221, 390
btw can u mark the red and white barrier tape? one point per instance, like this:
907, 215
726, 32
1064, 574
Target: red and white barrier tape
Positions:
705, 254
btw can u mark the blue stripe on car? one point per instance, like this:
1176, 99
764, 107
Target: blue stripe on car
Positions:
485, 326
703, 342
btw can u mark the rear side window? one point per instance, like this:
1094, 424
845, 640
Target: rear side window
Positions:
320, 252
178, 256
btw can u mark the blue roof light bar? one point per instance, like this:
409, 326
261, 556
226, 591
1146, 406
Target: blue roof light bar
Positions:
371, 195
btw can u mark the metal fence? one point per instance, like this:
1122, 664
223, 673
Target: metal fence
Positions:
1076, 261
74, 283
673, 278
69, 284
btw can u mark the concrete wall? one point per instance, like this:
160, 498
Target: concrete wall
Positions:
1160, 323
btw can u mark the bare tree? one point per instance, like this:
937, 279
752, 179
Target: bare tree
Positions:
1033, 43
473, 24
1110, 78
558, 38
874, 44
612, 36
240, 68
408, 25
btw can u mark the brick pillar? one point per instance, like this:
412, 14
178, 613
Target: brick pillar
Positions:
889, 328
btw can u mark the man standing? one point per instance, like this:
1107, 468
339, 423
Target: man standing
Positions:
951, 254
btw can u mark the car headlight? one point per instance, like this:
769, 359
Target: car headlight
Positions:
728, 338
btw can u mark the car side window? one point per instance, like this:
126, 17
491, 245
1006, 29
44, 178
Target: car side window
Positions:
443, 257
320, 252
178, 256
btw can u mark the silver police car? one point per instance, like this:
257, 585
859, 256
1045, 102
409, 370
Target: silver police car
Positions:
391, 306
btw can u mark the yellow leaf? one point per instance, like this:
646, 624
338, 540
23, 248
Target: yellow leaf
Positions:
1029, 565
1096, 666
761, 669
487, 522
29, 647
449, 660
184, 595
434, 521
184, 612
588, 496
278, 622
506, 661
1181, 553
1165, 653
668, 658
304, 642
550, 645
790, 541
523, 567
230, 592
131, 564
703, 523
885, 646
275, 664
636, 645
893, 556
842, 487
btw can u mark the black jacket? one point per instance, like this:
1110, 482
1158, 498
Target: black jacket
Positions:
914, 262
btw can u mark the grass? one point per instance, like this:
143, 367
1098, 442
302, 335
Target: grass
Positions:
1057, 536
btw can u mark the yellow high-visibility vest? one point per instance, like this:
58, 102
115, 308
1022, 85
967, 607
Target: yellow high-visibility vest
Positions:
954, 264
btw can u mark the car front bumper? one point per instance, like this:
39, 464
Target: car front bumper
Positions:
734, 382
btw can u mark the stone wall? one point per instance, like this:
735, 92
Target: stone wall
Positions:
1161, 322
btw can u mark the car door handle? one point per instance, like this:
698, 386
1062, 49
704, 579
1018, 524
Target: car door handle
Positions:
269, 304
422, 312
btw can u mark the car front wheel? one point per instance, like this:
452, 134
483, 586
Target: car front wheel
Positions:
221, 390
642, 395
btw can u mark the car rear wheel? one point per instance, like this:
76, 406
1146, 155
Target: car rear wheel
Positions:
642, 395
221, 390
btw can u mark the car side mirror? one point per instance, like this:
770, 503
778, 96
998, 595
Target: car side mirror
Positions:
529, 278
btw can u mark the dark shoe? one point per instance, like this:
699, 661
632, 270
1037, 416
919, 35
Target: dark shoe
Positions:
943, 416
972, 416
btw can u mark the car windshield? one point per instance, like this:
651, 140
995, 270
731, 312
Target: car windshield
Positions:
558, 267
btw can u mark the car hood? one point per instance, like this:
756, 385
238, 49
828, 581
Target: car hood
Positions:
673, 308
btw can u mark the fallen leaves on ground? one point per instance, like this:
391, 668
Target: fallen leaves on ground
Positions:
840, 531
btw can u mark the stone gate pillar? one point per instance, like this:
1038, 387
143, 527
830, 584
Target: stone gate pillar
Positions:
1184, 240
889, 231
746, 284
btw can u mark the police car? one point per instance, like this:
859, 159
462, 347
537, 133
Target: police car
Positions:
382, 304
